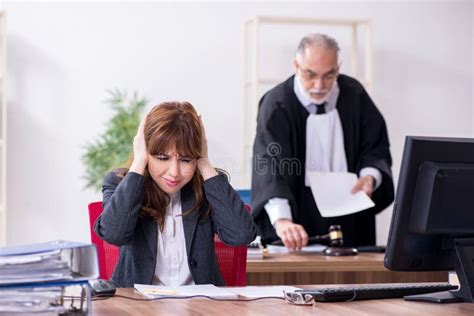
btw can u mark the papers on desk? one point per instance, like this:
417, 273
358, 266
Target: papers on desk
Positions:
262, 291
332, 193
34, 278
48, 262
153, 291
32, 300
255, 249
282, 249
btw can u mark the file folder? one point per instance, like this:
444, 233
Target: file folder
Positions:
39, 278
48, 262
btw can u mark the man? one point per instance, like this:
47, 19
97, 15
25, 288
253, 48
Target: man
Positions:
318, 120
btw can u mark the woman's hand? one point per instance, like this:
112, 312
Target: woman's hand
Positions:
140, 153
204, 164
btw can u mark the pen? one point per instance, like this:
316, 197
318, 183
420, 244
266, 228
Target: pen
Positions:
159, 292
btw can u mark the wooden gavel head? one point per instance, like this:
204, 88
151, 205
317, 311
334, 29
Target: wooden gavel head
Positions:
336, 243
335, 236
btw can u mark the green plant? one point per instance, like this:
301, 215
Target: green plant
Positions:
113, 147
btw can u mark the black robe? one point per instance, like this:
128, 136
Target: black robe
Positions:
279, 157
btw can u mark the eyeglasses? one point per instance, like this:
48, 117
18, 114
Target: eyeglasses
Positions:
298, 298
309, 75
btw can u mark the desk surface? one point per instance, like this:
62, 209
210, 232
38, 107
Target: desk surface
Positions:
318, 269
314, 262
198, 306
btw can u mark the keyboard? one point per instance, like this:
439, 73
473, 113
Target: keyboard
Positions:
376, 291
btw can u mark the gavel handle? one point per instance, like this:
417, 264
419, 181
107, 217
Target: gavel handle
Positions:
311, 240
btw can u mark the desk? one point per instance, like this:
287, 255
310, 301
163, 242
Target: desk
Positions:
307, 268
120, 306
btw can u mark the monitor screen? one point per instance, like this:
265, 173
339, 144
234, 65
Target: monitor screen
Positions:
434, 206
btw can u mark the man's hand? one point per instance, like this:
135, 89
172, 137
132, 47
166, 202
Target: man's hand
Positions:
293, 236
366, 184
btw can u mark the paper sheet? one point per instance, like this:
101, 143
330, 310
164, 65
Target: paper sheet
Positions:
262, 291
282, 249
153, 291
332, 193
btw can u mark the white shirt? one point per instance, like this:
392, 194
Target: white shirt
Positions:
324, 147
172, 267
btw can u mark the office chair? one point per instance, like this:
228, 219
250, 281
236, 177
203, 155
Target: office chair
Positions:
108, 254
232, 260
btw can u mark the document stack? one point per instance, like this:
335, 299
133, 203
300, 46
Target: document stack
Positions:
47, 278
255, 249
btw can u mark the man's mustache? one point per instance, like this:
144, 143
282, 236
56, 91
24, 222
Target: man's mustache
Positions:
318, 91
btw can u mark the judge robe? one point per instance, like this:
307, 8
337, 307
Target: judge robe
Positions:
279, 156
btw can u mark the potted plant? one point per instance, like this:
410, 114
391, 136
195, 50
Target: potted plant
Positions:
113, 147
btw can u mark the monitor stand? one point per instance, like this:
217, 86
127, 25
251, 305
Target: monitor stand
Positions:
464, 266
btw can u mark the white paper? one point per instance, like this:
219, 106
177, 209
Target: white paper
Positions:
31, 300
49, 261
211, 290
262, 291
282, 249
254, 253
332, 193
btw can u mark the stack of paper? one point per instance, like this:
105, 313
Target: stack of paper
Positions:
32, 300
48, 262
254, 253
33, 278
316, 248
40, 267
255, 249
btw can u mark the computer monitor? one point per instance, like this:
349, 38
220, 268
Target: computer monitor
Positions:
432, 227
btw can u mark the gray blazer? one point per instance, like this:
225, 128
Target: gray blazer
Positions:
120, 225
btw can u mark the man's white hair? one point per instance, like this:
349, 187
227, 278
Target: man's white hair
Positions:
317, 40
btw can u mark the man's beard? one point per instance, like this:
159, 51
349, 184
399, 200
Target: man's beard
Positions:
322, 99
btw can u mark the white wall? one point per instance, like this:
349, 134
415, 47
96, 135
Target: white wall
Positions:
62, 58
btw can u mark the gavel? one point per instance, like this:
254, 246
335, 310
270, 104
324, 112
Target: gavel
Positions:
335, 240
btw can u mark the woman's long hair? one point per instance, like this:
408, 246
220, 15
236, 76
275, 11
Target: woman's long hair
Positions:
172, 125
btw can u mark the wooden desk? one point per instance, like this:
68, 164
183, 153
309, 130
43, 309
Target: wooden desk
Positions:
306, 268
120, 306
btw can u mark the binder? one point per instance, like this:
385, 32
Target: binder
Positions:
43, 277
48, 262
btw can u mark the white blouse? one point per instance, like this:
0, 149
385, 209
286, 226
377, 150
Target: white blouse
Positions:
172, 267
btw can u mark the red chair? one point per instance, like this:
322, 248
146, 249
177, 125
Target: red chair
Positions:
232, 260
108, 254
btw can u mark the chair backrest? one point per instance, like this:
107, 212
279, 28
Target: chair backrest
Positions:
232, 263
108, 254
232, 260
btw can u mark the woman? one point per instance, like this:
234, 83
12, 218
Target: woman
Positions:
164, 209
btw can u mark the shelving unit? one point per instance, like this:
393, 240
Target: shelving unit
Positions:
3, 134
253, 80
